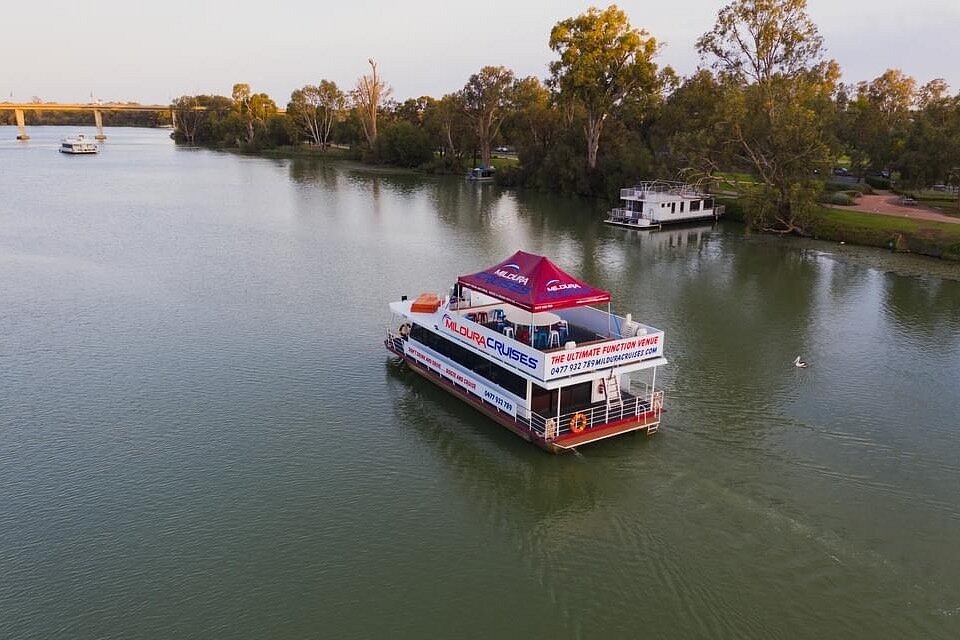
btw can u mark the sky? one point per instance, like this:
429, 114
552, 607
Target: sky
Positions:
152, 52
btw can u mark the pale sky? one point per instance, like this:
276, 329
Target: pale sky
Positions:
150, 52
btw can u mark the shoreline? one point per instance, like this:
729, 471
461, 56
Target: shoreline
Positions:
898, 234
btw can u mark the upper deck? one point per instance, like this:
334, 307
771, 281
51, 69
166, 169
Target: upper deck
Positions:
662, 191
558, 346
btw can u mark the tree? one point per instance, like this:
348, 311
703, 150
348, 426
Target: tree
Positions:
931, 150
188, 115
486, 99
875, 122
691, 129
367, 97
449, 119
315, 108
778, 103
603, 60
252, 109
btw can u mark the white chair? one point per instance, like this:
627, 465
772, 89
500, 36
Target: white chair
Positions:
508, 331
554, 339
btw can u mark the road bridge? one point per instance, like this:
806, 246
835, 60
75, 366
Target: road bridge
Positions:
95, 107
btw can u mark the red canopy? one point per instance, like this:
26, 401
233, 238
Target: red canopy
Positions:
533, 283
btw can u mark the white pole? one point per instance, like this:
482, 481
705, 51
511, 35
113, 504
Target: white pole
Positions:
653, 385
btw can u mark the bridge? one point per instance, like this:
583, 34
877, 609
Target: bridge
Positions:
95, 107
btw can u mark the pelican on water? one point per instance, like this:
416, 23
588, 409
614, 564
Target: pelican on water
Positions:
800, 363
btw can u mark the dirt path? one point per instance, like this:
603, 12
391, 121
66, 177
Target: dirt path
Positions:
888, 204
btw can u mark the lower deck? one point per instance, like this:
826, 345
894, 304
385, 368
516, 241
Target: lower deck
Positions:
576, 426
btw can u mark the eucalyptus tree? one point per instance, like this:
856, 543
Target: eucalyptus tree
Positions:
778, 104
487, 98
253, 109
603, 60
532, 123
931, 150
367, 97
447, 119
315, 108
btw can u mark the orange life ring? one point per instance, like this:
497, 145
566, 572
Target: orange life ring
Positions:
578, 423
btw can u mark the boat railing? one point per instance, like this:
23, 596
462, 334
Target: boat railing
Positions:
552, 427
640, 190
621, 215
394, 341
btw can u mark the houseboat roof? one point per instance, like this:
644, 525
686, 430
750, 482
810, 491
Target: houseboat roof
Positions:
533, 283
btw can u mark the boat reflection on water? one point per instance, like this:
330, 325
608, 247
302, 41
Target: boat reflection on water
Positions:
675, 237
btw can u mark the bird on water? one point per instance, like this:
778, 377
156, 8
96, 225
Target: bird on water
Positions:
800, 364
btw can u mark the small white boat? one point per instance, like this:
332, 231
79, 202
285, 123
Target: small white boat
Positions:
481, 174
78, 145
658, 202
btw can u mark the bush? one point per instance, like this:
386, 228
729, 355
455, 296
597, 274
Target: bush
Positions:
405, 145
839, 198
878, 182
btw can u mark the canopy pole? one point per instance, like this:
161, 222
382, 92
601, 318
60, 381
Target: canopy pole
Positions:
609, 320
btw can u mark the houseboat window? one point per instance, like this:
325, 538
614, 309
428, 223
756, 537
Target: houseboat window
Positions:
681, 206
694, 205
543, 402
472, 361
708, 203
673, 207
572, 398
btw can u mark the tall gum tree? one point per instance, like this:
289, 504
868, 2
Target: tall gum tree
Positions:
487, 98
779, 105
371, 91
603, 59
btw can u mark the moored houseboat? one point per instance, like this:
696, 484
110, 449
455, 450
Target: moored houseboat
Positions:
658, 202
532, 348
481, 174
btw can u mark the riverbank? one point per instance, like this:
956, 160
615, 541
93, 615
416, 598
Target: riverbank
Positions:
912, 235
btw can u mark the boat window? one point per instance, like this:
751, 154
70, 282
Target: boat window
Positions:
472, 361
708, 203
695, 205
681, 206
673, 207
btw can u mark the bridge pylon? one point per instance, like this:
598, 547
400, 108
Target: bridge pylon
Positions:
21, 125
98, 119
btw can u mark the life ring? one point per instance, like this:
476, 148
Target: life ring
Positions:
578, 423
405, 330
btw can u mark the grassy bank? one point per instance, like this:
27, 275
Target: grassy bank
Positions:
937, 239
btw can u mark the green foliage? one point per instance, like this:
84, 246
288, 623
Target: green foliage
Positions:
404, 145
938, 239
841, 198
777, 97
878, 182
603, 61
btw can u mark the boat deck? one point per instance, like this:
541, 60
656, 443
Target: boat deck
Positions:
555, 434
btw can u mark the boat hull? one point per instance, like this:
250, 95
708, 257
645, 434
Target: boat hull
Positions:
647, 423
656, 225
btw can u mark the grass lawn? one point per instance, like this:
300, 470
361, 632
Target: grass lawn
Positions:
919, 236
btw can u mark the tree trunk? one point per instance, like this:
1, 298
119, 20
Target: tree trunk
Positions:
593, 128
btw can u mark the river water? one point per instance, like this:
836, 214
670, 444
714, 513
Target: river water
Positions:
201, 434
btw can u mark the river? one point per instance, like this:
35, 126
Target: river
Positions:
202, 435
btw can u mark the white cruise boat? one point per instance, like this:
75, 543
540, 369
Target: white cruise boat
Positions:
658, 202
79, 145
527, 345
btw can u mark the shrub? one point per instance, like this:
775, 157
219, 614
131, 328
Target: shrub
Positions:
839, 198
878, 182
405, 145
